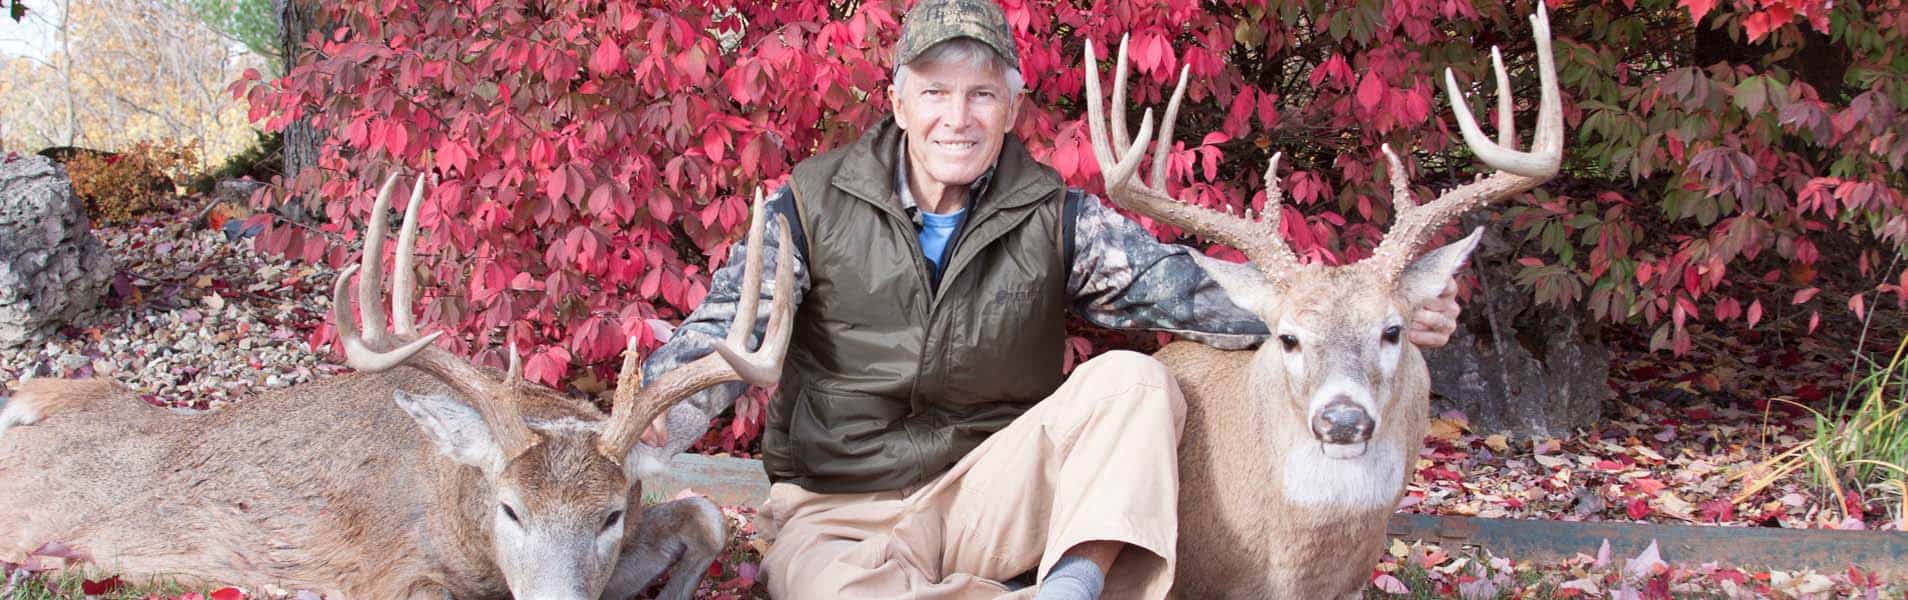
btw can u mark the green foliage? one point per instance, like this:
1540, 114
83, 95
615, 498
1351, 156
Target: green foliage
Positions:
1707, 164
261, 162
119, 186
1861, 446
251, 22
73, 586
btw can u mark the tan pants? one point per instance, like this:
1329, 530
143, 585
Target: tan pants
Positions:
1095, 461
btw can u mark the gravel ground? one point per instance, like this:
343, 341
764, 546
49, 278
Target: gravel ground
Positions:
193, 320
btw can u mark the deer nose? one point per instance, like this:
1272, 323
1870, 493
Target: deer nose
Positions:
1342, 422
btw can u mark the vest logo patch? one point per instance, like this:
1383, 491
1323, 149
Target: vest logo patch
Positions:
1018, 294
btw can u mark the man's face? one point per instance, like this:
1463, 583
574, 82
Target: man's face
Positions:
956, 117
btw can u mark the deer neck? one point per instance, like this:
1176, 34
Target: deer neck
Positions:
459, 534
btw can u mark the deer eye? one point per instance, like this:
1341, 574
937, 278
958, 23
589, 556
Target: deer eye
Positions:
1289, 341
511, 514
614, 519
1391, 334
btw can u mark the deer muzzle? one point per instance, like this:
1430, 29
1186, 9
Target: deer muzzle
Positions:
1343, 422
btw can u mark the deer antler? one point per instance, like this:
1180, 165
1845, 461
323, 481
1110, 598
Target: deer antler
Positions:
635, 405
491, 399
1517, 172
1258, 239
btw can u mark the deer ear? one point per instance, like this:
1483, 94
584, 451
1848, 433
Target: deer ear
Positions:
457, 429
1427, 275
1242, 282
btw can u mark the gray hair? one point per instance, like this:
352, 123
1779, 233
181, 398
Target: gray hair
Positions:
966, 52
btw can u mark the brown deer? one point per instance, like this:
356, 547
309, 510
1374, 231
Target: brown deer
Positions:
418, 476
1295, 455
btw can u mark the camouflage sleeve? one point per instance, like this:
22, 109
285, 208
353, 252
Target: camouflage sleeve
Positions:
687, 420
1124, 278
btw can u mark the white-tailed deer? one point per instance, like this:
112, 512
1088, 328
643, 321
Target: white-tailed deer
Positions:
1294, 455
418, 476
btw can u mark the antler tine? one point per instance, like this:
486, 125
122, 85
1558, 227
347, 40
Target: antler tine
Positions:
635, 408
359, 351
358, 354
1115, 173
621, 430
1268, 252
498, 409
515, 373
751, 273
370, 279
402, 285
1165, 142
1506, 121
1120, 142
1400, 181
764, 366
1546, 154
1516, 172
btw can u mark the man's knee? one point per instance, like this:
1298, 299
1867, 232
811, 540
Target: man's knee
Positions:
1148, 386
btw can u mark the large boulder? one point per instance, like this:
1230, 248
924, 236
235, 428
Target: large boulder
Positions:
1514, 366
52, 269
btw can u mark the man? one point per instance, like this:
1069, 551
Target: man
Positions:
925, 442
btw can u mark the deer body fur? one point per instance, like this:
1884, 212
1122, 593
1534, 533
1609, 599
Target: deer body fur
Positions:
253, 502
420, 475
1294, 455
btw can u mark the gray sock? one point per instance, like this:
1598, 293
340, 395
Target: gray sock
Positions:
1073, 578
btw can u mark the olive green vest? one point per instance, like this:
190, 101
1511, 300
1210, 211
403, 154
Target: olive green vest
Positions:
889, 381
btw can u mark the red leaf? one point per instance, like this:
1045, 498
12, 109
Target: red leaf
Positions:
548, 365
1370, 91
1758, 25
227, 593
1804, 294
1717, 510
1855, 304
395, 138
608, 58
1638, 508
101, 587
1755, 313
1697, 8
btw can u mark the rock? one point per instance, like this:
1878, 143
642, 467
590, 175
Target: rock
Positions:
236, 191
1513, 366
52, 269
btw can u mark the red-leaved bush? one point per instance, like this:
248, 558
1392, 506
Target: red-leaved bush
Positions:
593, 158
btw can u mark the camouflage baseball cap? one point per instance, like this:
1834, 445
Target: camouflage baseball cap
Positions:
931, 22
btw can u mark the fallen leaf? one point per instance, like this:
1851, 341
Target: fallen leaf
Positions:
1645, 565
1446, 430
1603, 555
1668, 503
1638, 508
101, 587
1551, 462
1584, 584
228, 593
1498, 442
1388, 584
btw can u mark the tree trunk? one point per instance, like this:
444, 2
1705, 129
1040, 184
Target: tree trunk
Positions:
301, 140
1516, 367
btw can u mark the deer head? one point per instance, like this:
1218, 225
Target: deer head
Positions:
561, 493
1337, 350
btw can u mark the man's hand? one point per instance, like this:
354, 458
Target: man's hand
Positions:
1432, 325
658, 432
